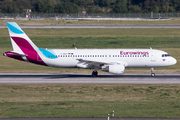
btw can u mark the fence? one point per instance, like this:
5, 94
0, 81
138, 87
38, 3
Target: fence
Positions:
39, 16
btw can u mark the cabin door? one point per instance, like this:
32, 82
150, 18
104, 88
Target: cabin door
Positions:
153, 56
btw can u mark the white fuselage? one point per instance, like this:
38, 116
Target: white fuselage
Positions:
132, 58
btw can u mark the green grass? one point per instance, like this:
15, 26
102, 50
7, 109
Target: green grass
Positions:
100, 38
164, 39
81, 100
174, 21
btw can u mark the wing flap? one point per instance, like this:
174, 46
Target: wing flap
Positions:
98, 64
92, 61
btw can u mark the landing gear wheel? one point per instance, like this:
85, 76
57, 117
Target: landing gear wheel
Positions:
94, 73
152, 74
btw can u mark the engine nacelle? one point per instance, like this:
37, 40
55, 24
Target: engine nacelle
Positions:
114, 69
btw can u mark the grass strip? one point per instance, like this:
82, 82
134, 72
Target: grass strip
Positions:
82, 100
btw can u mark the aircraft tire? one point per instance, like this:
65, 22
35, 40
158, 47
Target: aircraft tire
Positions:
94, 74
152, 74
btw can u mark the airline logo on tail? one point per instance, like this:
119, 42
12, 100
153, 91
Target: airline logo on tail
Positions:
24, 48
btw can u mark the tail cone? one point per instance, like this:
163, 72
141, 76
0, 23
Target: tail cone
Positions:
4, 54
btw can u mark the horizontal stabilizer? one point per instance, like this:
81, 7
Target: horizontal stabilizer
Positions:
21, 55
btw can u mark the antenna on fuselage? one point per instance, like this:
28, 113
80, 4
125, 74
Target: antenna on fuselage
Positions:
74, 46
150, 48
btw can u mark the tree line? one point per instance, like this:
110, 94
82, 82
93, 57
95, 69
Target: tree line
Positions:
90, 6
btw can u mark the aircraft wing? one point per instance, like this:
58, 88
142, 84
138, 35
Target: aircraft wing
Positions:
98, 64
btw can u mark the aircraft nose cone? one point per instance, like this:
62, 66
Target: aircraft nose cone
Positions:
174, 61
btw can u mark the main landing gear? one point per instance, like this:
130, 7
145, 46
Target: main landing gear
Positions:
152, 72
95, 73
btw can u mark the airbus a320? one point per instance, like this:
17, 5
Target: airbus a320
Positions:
110, 60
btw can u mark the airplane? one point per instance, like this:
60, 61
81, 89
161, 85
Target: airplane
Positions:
113, 61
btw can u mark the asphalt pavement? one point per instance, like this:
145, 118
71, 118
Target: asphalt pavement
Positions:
86, 78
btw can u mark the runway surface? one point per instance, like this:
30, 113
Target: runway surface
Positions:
86, 78
95, 26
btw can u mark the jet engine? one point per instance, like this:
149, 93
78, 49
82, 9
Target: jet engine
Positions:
114, 69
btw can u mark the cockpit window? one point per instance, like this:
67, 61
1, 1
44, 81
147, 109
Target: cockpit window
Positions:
165, 55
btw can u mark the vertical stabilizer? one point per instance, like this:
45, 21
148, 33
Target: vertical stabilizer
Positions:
23, 47
19, 39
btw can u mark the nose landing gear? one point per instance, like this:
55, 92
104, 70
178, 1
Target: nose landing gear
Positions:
152, 72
